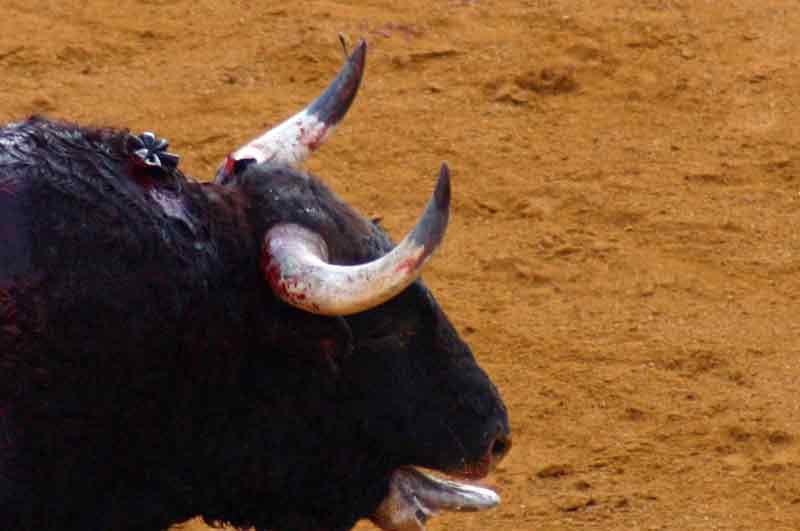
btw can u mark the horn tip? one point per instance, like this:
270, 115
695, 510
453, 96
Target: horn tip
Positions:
442, 192
359, 52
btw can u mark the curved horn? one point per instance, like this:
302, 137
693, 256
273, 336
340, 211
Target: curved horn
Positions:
292, 141
295, 263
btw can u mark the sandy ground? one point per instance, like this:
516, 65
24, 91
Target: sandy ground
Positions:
624, 255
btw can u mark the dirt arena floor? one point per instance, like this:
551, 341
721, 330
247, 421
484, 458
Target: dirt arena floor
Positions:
624, 255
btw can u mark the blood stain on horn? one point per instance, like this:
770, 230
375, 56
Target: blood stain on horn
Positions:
408, 265
315, 139
273, 272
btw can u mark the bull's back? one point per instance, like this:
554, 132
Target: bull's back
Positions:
100, 264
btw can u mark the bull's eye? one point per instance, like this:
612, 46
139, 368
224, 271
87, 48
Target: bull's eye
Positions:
388, 331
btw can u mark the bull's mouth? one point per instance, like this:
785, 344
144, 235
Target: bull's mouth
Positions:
415, 496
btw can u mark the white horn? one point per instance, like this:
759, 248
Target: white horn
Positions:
295, 263
291, 142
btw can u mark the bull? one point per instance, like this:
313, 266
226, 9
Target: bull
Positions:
250, 350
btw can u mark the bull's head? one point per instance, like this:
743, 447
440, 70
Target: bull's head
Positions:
405, 390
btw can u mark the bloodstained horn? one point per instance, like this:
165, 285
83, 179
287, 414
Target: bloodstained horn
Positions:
295, 263
291, 142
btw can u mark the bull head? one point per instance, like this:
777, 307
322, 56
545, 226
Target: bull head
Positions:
296, 262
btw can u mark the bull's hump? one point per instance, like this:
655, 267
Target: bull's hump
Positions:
66, 190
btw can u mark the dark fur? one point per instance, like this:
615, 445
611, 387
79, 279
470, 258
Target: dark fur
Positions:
148, 374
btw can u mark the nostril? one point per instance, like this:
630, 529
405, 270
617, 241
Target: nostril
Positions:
500, 447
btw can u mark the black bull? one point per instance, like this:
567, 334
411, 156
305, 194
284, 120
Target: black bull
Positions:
166, 352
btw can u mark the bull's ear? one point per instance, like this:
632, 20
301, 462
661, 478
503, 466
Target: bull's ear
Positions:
295, 263
291, 142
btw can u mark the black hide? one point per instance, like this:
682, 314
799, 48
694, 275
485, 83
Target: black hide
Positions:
149, 375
